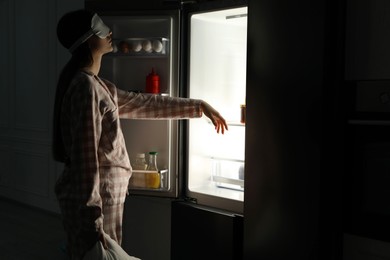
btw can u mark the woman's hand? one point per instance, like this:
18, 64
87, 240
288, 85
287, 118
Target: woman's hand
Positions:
217, 120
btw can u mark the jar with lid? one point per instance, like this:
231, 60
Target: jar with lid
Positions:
140, 162
153, 176
152, 165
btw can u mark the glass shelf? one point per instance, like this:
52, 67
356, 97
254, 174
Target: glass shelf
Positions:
235, 124
229, 123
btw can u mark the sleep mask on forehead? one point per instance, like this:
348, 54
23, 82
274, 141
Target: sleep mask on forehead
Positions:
98, 28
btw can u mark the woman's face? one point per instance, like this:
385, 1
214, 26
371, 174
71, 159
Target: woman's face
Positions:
101, 46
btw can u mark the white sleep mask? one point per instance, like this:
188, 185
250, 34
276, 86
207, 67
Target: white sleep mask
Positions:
97, 27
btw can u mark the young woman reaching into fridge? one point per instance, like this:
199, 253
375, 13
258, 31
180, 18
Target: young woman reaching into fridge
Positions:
87, 136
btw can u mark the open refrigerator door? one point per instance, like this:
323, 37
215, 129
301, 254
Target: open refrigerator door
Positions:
217, 74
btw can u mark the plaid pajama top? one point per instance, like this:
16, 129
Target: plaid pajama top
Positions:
98, 167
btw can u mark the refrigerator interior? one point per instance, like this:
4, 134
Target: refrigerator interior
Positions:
217, 74
128, 66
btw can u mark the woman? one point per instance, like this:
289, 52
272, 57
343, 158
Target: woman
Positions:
88, 138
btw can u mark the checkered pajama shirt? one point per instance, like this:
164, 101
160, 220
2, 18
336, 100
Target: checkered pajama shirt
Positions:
92, 188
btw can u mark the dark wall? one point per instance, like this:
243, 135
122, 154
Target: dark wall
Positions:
293, 65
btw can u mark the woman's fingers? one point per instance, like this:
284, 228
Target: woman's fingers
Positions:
217, 120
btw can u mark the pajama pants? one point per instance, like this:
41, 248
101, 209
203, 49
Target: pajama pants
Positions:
112, 226
81, 233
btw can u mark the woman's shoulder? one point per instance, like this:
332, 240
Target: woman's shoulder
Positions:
83, 77
82, 82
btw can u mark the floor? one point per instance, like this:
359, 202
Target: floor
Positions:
29, 233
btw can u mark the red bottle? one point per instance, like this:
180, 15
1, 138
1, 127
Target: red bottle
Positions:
152, 83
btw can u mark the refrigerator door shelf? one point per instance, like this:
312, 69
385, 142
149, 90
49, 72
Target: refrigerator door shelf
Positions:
228, 173
149, 180
229, 183
151, 46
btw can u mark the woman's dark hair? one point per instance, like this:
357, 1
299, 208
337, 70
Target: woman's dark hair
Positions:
81, 57
73, 25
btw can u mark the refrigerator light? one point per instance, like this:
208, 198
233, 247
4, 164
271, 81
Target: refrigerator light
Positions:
236, 16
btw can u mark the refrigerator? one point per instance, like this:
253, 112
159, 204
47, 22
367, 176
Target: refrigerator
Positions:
198, 50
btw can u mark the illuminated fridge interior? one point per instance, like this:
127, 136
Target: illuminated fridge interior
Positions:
217, 74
